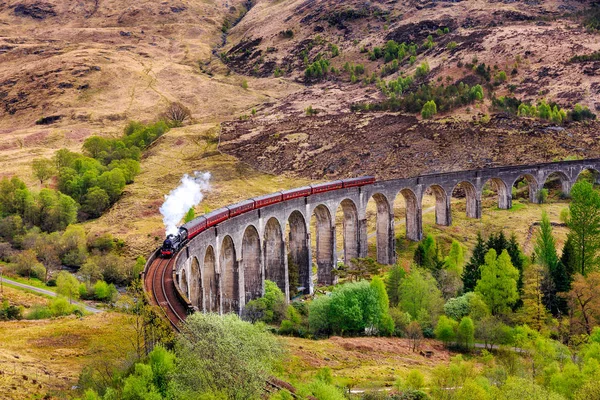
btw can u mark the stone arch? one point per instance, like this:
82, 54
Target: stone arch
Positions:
532, 185
413, 222
251, 264
442, 205
184, 284
383, 229
504, 195
325, 245
472, 203
210, 281
350, 230
299, 273
563, 180
595, 175
275, 254
195, 284
230, 276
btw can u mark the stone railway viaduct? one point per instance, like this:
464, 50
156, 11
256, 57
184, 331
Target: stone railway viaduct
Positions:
224, 267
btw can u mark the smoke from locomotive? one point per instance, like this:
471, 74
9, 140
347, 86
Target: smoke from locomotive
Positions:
188, 194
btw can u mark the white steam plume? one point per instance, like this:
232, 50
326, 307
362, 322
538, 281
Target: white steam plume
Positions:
188, 194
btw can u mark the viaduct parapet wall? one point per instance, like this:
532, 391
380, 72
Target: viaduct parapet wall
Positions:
224, 267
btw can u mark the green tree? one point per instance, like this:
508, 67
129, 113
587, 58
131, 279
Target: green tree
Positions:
471, 273
455, 260
429, 109
465, 334
392, 283
112, 182
446, 330
43, 169
385, 325
96, 147
555, 278
190, 215
140, 384
545, 245
209, 342
418, 291
95, 202
67, 285
584, 226
498, 283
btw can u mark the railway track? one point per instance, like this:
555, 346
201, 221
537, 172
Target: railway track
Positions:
159, 284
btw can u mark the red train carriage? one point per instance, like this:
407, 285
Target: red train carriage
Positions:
295, 193
326, 187
267, 200
240, 208
360, 181
195, 226
217, 216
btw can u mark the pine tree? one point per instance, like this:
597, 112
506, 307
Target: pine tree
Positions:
516, 258
534, 311
497, 242
471, 273
568, 258
545, 245
554, 276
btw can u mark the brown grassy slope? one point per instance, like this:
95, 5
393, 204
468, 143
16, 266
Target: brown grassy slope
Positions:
534, 39
99, 66
393, 146
537, 40
43, 358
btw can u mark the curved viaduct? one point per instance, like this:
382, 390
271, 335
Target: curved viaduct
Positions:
224, 267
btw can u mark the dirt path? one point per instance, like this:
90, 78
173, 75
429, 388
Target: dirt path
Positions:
49, 293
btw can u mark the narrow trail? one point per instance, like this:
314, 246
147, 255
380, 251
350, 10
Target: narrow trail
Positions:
49, 293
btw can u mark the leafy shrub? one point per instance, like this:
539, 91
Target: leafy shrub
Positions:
9, 312
451, 45
581, 113
317, 70
270, 308
422, 70
351, 308
429, 109
335, 50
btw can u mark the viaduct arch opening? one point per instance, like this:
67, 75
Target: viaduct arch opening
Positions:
195, 283
496, 186
380, 228
230, 276
324, 244
350, 227
299, 265
275, 254
210, 282
251, 265
525, 186
472, 205
409, 216
442, 205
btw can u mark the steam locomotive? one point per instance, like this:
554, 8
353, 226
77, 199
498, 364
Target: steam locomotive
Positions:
174, 242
